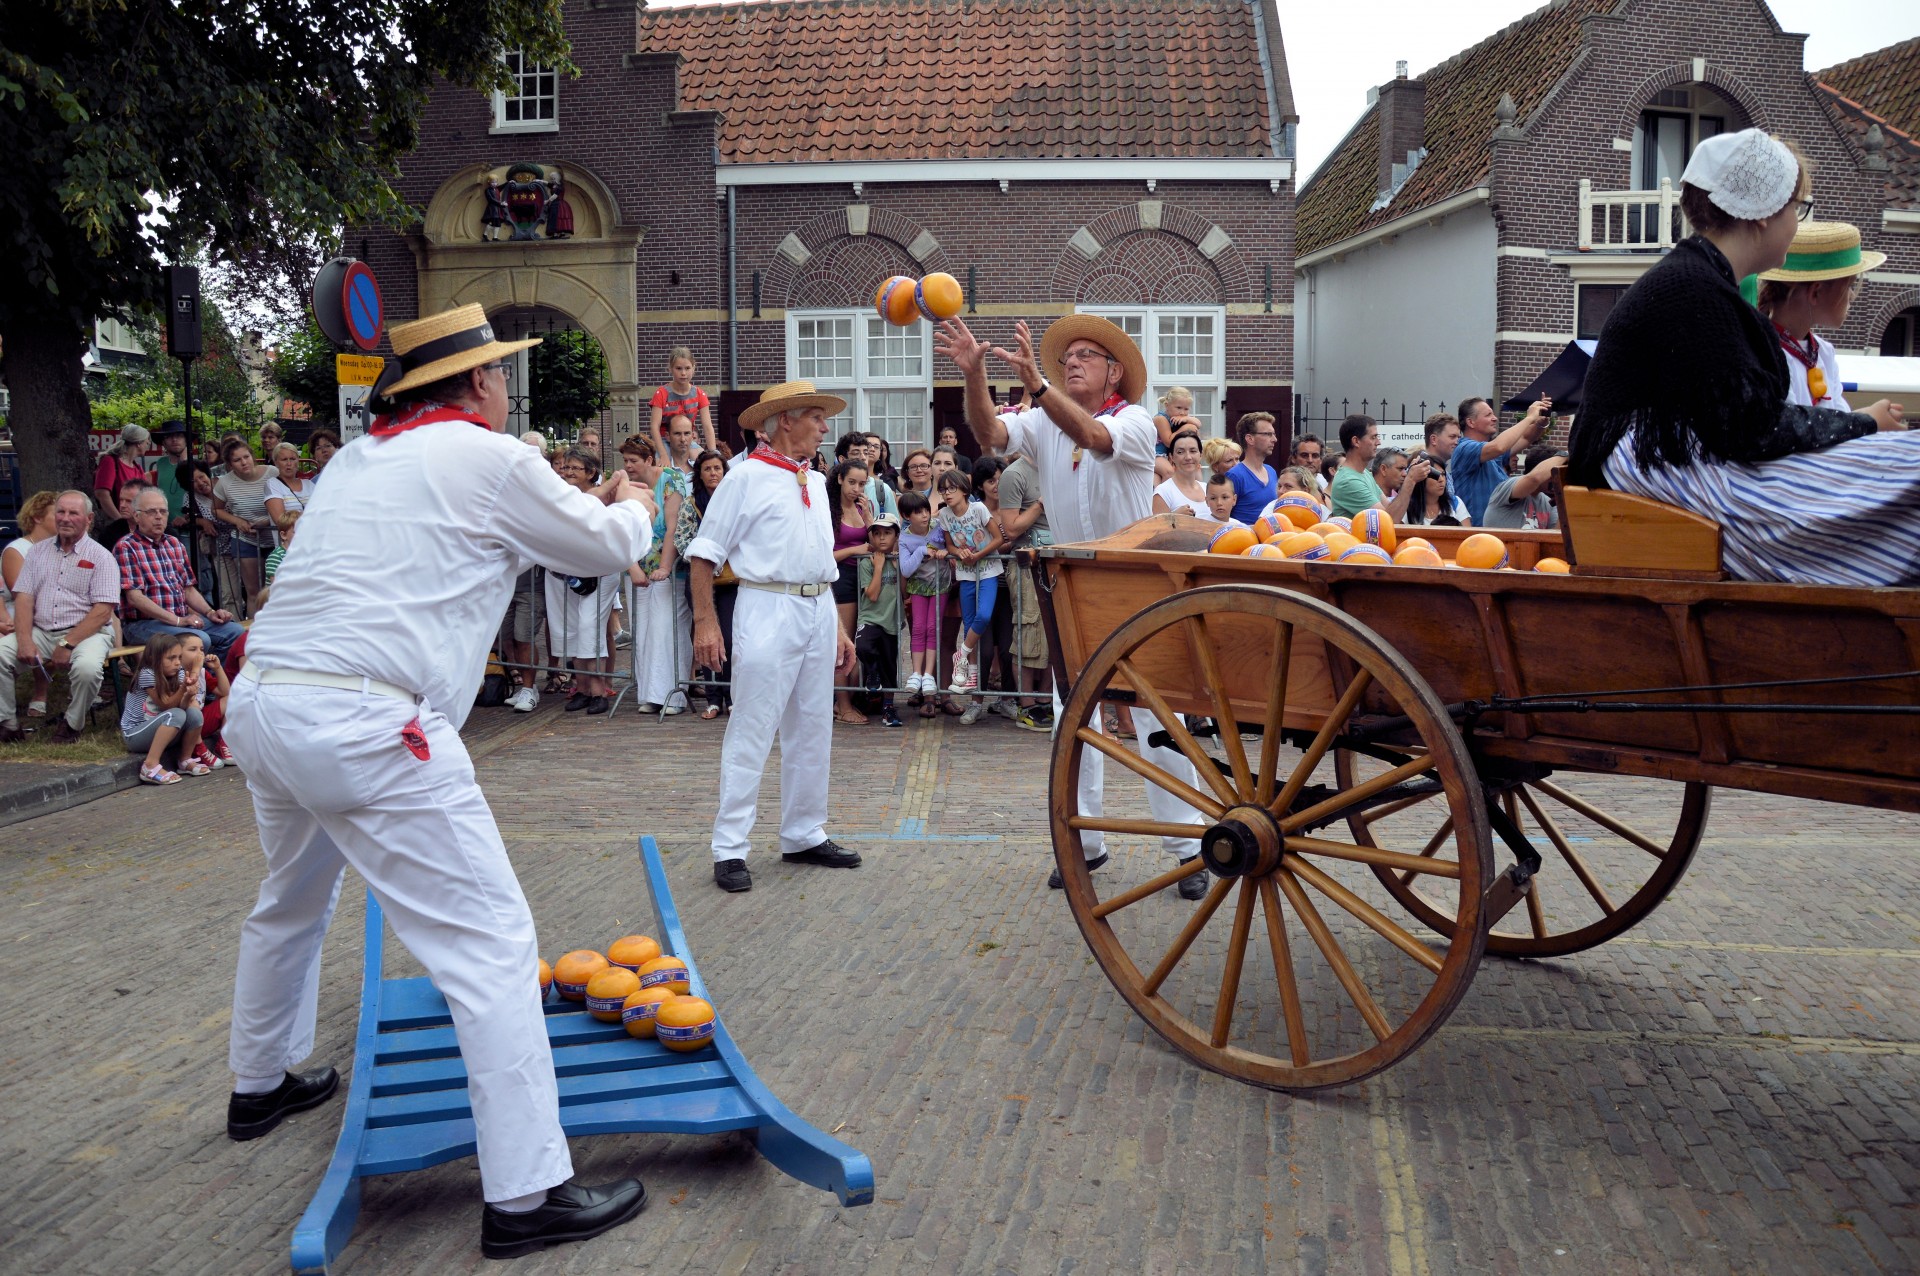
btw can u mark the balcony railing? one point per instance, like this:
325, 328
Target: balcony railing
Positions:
1630, 219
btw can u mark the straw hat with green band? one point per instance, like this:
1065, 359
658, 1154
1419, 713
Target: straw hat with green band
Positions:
436, 347
1822, 251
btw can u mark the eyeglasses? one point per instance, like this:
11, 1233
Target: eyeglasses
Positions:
1085, 356
1805, 210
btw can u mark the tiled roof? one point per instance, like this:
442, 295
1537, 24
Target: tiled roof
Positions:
972, 79
1886, 82
1901, 150
1526, 59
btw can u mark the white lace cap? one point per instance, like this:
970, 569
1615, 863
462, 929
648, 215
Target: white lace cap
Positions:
1747, 174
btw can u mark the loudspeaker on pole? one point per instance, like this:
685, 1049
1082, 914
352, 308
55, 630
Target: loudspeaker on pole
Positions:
183, 312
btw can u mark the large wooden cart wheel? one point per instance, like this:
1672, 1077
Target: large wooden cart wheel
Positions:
1611, 848
1337, 990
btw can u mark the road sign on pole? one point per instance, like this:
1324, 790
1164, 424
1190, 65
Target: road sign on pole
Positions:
357, 369
353, 410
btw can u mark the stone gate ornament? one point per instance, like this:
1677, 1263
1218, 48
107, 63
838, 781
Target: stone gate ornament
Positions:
529, 203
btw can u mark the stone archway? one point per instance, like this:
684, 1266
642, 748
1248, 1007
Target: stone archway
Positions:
588, 278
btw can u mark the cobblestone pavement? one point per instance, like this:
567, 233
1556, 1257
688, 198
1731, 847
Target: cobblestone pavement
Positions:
1732, 1087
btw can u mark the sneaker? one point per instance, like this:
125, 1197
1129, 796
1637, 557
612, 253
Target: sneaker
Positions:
732, 875
525, 700
672, 709
36, 708
221, 751
205, 757
973, 714
646, 708
623, 640
1038, 717
888, 718
962, 674
1003, 707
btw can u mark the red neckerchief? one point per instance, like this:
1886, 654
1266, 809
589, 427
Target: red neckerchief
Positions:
1791, 344
796, 468
1112, 404
426, 414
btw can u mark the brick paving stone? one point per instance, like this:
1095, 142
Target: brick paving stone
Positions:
937, 1009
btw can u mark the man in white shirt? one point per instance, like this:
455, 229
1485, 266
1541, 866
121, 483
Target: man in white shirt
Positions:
347, 720
770, 522
1092, 443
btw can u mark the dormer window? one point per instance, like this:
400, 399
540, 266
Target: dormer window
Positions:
532, 105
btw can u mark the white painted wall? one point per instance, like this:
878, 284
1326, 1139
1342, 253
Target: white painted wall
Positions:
1406, 321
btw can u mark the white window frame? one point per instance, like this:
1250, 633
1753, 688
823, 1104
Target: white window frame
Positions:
522, 71
1215, 423
855, 391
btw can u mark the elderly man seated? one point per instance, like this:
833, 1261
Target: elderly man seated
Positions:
158, 595
62, 604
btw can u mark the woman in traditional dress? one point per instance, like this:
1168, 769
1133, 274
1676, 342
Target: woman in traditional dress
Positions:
1687, 398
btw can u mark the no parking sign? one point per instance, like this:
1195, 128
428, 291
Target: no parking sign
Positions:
347, 305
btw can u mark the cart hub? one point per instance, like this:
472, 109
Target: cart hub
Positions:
1245, 843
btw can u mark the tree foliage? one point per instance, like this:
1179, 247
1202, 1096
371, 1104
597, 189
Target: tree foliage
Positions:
305, 372
568, 372
144, 131
221, 382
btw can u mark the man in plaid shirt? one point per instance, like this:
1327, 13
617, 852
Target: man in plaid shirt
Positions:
156, 583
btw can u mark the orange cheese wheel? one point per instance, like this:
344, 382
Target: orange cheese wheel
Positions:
1269, 526
546, 979
632, 951
1553, 566
938, 296
1232, 539
666, 971
1329, 527
1302, 545
1338, 542
1481, 550
1422, 555
1299, 507
636, 1014
1367, 555
571, 972
1269, 550
608, 990
894, 301
685, 1023
1374, 527
1416, 540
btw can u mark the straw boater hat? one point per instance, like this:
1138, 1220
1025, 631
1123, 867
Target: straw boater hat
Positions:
1824, 250
1104, 333
438, 346
786, 397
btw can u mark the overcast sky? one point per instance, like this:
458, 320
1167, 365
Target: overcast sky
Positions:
1336, 51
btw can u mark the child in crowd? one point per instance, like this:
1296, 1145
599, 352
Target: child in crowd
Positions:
159, 708
279, 555
971, 535
1220, 498
877, 635
210, 700
1220, 455
679, 397
1176, 414
923, 553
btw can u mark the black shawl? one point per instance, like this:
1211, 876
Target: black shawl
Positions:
1693, 371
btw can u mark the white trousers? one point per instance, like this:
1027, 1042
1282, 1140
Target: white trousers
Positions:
85, 672
1164, 805
333, 785
782, 661
662, 642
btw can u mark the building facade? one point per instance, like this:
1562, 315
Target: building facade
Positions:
740, 179
1480, 216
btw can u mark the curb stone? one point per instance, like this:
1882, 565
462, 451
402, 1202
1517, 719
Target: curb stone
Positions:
20, 802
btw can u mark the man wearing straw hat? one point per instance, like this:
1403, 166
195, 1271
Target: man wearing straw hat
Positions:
347, 720
1092, 443
769, 521
1823, 272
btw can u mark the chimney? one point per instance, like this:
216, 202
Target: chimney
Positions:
1403, 126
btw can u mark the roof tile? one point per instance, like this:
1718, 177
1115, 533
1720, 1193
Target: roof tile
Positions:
958, 79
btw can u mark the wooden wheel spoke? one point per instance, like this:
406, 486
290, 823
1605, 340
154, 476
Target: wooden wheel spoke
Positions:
1408, 864
1601, 818
1188, 933
1151, 886
1170, 722
1567, 853
1433, 845
1276, 711
1223, 716
1379, 922
1336, 959
1356, 793
1150, 773
1283, 972
1368, 818
1236, 958
1536, 909
1336, 719
1141, 828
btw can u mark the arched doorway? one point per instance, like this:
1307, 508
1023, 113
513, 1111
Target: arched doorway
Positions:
562, 386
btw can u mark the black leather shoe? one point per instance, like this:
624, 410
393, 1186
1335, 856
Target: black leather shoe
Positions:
578, 701
1057, 882
598, 704
251, 1115
11, 734
732, 875
1196, 886
573, 1212
828, 854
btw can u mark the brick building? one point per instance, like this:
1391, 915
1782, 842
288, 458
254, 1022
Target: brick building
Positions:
743, 177
1483, 214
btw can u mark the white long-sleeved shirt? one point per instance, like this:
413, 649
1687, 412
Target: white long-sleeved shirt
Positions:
757, 523
1107, 490
407, 556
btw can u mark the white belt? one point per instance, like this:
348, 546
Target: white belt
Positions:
342, 681
808, 590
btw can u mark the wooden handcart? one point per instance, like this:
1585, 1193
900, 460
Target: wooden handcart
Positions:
1400, 769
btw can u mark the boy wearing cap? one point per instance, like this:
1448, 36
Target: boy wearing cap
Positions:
1687, 398
876, 633
1816, 285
